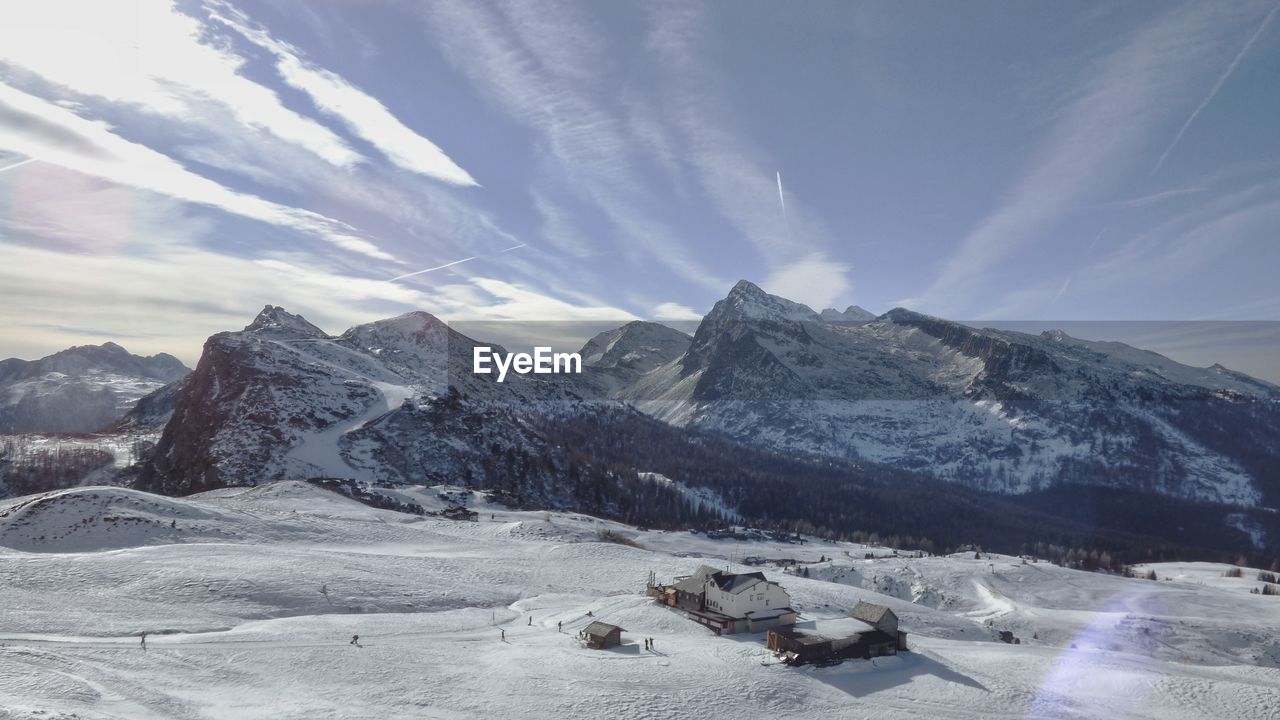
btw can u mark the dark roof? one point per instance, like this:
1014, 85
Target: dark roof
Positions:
599, 629
732, 583
870, 613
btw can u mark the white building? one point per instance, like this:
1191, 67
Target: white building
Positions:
730, 603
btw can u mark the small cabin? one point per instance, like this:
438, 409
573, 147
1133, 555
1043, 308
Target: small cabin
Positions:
599, 635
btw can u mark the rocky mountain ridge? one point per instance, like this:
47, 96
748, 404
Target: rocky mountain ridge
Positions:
81, 389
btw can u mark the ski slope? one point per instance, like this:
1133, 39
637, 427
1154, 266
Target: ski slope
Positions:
250, 598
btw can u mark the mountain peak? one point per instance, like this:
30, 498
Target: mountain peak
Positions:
853, 313
748, 302
746, 287
277, 319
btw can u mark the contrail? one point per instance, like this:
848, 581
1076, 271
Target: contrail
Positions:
1101, 232
433, 269
781, 199
20, 163
1066, 284
1216, 86
455, 262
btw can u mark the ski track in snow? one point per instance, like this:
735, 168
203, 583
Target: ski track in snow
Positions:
322, 451
251, 600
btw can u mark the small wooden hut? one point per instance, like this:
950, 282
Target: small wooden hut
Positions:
599, 635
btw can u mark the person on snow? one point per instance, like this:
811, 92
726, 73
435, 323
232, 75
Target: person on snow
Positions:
144, 641
355, 639
504, 635
559, 626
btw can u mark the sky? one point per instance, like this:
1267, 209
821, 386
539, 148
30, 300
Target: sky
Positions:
168, 168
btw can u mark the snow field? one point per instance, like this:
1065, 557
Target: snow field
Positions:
255, 621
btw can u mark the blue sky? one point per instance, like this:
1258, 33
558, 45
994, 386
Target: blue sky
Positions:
169, 168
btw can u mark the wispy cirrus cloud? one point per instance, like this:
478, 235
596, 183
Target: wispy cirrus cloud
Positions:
151, 56
1105, 123
39, 129
540, 67
361, 113
1213, 91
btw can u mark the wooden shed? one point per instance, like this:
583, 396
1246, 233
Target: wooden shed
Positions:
599, 635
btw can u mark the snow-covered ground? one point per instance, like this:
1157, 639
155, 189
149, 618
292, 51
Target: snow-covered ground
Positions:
250, 598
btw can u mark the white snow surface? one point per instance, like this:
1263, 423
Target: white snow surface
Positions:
250, 598
321, 452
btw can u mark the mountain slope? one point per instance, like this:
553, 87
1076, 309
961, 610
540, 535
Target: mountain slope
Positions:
81, 389
996, 410
281, 399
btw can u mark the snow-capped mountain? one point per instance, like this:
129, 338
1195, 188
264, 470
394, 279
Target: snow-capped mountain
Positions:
396, 401
853, 313
622, 355
283, 399
997, 410
81, 389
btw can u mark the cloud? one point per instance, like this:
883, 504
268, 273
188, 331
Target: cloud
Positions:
1093, 138
52, 134
171, 302
741, 179
1158, 197
361, 113
675, 311
1217, 85
516, 302
540, 67
150, 55
813, 280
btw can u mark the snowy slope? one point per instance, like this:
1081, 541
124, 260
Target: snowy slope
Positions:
250, 616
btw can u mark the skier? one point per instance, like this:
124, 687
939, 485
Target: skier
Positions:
559, 626
530, 621
144, 641
355, 640
504, 635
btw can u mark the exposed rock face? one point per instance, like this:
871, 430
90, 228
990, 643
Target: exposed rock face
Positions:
283, 400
